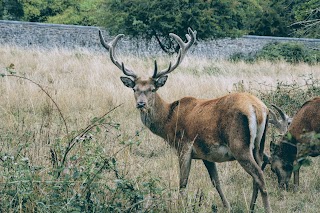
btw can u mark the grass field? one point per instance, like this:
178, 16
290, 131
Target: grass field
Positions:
34, 135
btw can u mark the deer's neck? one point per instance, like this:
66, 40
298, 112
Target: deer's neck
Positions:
288, 151
155, 117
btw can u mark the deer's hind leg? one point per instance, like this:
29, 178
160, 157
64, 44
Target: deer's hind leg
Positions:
249, 164
247, 148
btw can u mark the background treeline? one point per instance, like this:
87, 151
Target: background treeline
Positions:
155, 19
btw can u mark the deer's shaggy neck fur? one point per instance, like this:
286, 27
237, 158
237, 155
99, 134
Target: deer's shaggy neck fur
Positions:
154, 116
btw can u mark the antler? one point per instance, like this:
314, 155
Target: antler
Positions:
283, 115
281, 125
111, 48
184, 47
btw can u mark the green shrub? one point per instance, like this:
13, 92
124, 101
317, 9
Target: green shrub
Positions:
289, 97
291, 52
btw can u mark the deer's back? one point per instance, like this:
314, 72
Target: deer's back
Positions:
306, 120
213, 122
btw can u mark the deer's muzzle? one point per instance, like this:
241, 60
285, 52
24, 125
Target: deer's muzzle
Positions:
141, 105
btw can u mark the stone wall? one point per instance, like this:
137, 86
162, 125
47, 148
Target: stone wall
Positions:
40, 35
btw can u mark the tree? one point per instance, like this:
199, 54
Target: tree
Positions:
298, 18
80, 12
275, 18
35, 10
156, 19
307, 19
11, 10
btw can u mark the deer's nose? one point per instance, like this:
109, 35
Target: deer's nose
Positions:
141, 105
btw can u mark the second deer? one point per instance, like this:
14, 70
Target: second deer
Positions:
296, 141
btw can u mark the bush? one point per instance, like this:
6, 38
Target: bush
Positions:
291, 52
289, 97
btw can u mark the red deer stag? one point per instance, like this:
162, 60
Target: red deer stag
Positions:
228, 128
296, 142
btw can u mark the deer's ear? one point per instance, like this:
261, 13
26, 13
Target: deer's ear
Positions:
161, 81
128, 82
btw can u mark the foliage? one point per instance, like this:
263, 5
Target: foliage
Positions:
291, 52
142, 18
80, 176
307, 19
274, 19
288, 18
311, 149
11, 9
35, 10
156, 19
305, 150
290, 97
53, 11
79, 12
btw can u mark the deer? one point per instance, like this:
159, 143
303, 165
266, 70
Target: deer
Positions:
296, 142
228, 128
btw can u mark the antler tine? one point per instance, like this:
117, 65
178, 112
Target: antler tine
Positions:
184, 47
155, 69
111, 48
155, 72
273, 117
102, 41
283, 115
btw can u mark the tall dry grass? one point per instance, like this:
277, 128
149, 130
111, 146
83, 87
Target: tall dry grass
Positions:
86, 85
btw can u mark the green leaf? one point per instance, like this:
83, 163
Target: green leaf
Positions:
289, 136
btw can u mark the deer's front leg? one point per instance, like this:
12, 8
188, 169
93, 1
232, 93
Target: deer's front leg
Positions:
296, 175
296, 178
213, 173
184, 165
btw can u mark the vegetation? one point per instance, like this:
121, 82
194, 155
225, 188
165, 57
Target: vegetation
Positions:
72, 141
147, 19
53, 11
306, 23
281, 51
156, 19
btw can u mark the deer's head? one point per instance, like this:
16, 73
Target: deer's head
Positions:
281, 162
145, 88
